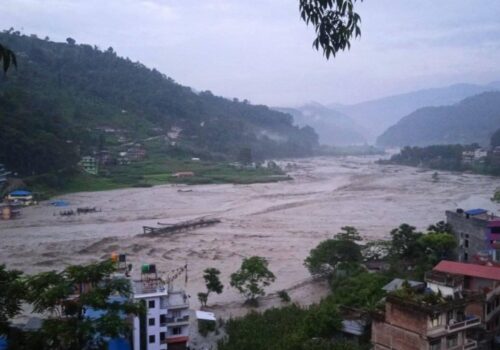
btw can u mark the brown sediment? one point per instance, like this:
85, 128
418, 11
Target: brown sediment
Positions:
280, 221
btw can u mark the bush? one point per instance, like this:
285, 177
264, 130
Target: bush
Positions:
205, 327
284, 296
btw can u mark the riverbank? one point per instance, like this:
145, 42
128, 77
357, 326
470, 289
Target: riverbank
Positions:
158, 171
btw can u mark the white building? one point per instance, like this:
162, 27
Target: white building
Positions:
166, 324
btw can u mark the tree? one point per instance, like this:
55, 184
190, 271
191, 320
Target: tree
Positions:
8, 57
362, 290
329, 254
348, 233
245, 156
322, 321
67, 296
437, 246
405, 242
203, 298
440, 227
335, 23
213, 284
11, 295
71, 41
252, 277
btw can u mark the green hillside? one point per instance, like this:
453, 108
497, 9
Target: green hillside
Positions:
472, 120
55, 106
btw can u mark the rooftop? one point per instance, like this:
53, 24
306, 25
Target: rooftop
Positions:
476, 211
398, 283
471, 270
149, 286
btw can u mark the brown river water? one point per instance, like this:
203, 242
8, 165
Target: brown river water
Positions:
279, 221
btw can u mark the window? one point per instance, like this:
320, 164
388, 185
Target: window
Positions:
466, 243
435, 321
466, 257
151, 321
151, 304
176, 330
176, 313
162, 336
435, 345
163, 319
152, 339
452, 341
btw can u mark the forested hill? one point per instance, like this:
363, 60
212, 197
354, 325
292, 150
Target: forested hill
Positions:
472, 120
61, 93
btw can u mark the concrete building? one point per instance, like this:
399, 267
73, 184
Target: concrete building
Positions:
477, 233
166, 324
89, 164
483, 281
417, 318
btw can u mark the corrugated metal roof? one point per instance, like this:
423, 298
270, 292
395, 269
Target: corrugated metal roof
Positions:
476, 211
471, 270
397, 283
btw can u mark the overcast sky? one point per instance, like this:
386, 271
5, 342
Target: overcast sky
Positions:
261, 50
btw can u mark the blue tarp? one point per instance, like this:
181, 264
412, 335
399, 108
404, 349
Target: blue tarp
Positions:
119, 344
3, 343
20, 193
59, 203
475, 211
115, 343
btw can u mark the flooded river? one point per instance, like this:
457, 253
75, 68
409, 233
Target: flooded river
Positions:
279, 221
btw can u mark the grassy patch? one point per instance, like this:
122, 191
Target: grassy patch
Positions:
159, 171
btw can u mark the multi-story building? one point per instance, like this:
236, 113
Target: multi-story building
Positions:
484, 281
90, 165
477, 233
422, 318
166, 324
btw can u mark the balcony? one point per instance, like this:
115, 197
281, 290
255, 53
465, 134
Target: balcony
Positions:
460, 326
452, 327
172, 339
470, 344
444, 279
176, 321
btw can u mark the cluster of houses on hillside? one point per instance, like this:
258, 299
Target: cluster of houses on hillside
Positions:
480, 155
457, 306
123, 155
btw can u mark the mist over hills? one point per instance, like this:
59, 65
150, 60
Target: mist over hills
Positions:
61, 92
472, 120
376, 116
334, 128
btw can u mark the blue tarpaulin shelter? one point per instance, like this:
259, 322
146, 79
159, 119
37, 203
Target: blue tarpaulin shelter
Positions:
475, 211
59, 203
20, 193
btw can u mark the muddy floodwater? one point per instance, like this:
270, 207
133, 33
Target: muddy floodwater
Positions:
279, 221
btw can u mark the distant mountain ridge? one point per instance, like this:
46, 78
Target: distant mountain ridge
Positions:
379, 114
333, 128
472, 120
